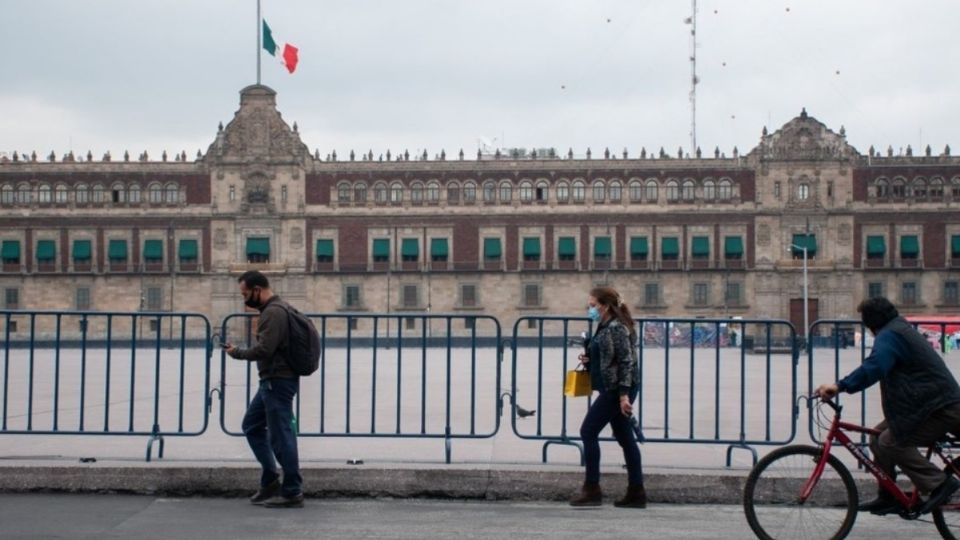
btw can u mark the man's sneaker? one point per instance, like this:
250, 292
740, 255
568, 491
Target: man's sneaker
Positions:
882, 505
941, 494
281, 501
265, 492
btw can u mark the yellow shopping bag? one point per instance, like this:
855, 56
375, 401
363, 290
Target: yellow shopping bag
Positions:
577, 383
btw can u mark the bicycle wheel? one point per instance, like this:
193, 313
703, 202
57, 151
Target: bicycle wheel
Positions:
947, 517
771, 496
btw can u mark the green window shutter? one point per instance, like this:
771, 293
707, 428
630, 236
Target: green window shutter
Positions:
671, 246
601, 246
909, 246
701, 246
811, 244
325, 248
955, 246
568, 246
46, 250
381, 247
117, 250
10, 250
255, 246
531, 247
638, 247
439, 247
804, 240
153, 249
491, 248
409, 248
81, 250
876, 246
733, 247
188, 249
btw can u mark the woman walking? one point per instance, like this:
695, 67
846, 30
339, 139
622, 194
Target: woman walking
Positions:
611, 360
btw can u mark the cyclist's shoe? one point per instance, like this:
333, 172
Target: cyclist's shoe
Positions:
941, 494
882, 505
590, 495
265, 492
636, 497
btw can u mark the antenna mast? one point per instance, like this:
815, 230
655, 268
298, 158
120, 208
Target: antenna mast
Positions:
692, 21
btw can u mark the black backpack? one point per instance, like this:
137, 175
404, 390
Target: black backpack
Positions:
303, 343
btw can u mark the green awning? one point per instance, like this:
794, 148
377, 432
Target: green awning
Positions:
409, 247
10, 250
381, 247
909, 246
531, 247
639, 247
46, 250
955, 246
876, 246
567, 246
117, 250
439, 247
671, 246
601, 246
81, 250
701, 246
804, 240
188, 249
491, 248
733, 246
255, 246
325, 248
153, 249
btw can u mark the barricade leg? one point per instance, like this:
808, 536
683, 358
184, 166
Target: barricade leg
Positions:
567, 442
155, 437
744, 447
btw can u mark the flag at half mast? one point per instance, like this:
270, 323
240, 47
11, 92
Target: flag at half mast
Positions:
288, 54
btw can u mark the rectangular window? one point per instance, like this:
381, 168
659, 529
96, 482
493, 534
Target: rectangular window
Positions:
532, 324
700, 248
651, 294
531, 249
531, 295
951, 293
82, 250
233, 193
354, 323
732, 294
187, 251
410, 250
351, 296
876, 247
670, 248
410, 296
10, 252
955, 246
154, 299
491, 249
410, 323
46, 251
602, 249
381, 250
776, 190
733, 247
12, 325
258, 250
469, 323
117, 251
153, 250
83, 298
439, 250
11, 298
154, 325
801, 241
567, 248
908, 294
325, 250
909, 247
700, 294
874, 289
639, 249
468, 295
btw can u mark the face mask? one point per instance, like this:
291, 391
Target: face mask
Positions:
251, 303
594, 314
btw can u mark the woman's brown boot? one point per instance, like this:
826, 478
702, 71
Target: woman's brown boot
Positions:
590, 495
636, 497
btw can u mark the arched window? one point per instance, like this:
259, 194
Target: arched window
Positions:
526, 191
453, 193
416, 193
469, 192
506, 192
542, 192
579, 191
563, 192
673, 191
898, 188
725, 192
97, 194
433, 192
43, 194
936, 188
24, 194
615, 190
803, 191
380, 193
134, 195
636, 191
118, 193
883, 188
82, 196
360, 193
955, 187
172, 194
652, 190
919, 188
61, 194
687, 191
396, 193
6, 194
709, 189
154, 194
489, 191
343, 192
599, 192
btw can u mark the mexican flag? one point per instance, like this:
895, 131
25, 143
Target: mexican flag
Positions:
288, 56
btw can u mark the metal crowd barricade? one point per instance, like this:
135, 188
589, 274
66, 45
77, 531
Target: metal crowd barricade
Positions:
86, 373
738, 393
417, 376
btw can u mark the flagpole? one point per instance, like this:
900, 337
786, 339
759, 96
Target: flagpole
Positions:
258, 42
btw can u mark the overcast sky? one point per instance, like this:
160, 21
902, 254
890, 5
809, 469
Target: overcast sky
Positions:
418, 74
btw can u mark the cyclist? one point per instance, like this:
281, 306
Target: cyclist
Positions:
920, 399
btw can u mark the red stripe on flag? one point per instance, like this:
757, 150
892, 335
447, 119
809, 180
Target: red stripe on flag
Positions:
290, 57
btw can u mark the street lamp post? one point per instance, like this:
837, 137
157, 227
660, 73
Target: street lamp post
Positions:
806, 311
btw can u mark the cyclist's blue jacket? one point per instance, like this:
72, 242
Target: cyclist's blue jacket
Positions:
914, 381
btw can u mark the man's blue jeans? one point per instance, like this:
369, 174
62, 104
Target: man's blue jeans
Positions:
270, 432
604, 410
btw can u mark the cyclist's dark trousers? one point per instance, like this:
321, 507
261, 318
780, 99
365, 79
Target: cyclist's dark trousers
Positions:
925, 475
270, 431
606, 410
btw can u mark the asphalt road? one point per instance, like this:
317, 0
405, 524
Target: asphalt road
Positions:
45, 516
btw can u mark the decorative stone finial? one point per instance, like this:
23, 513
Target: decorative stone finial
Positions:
928, 151
699, 153
295, 130
220, 127
909, 151
872, 151
735, 152
589, 153
570, 153
90, 155
680, 152
889, 150
461, 154
643, 152
126, 155
606, 153
624, 152
843, 131
716, 152
164, 155
764, 131
352, 155
803, 113
946, 150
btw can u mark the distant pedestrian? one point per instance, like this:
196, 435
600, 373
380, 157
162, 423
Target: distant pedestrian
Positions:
269, 424
613, 373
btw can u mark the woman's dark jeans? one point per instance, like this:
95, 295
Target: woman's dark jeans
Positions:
606, 410
270, 432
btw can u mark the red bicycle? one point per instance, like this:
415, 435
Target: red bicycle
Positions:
804, 491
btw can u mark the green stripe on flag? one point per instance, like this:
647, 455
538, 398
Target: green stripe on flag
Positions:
269, 44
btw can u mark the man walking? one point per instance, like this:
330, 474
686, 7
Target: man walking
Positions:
269, 421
